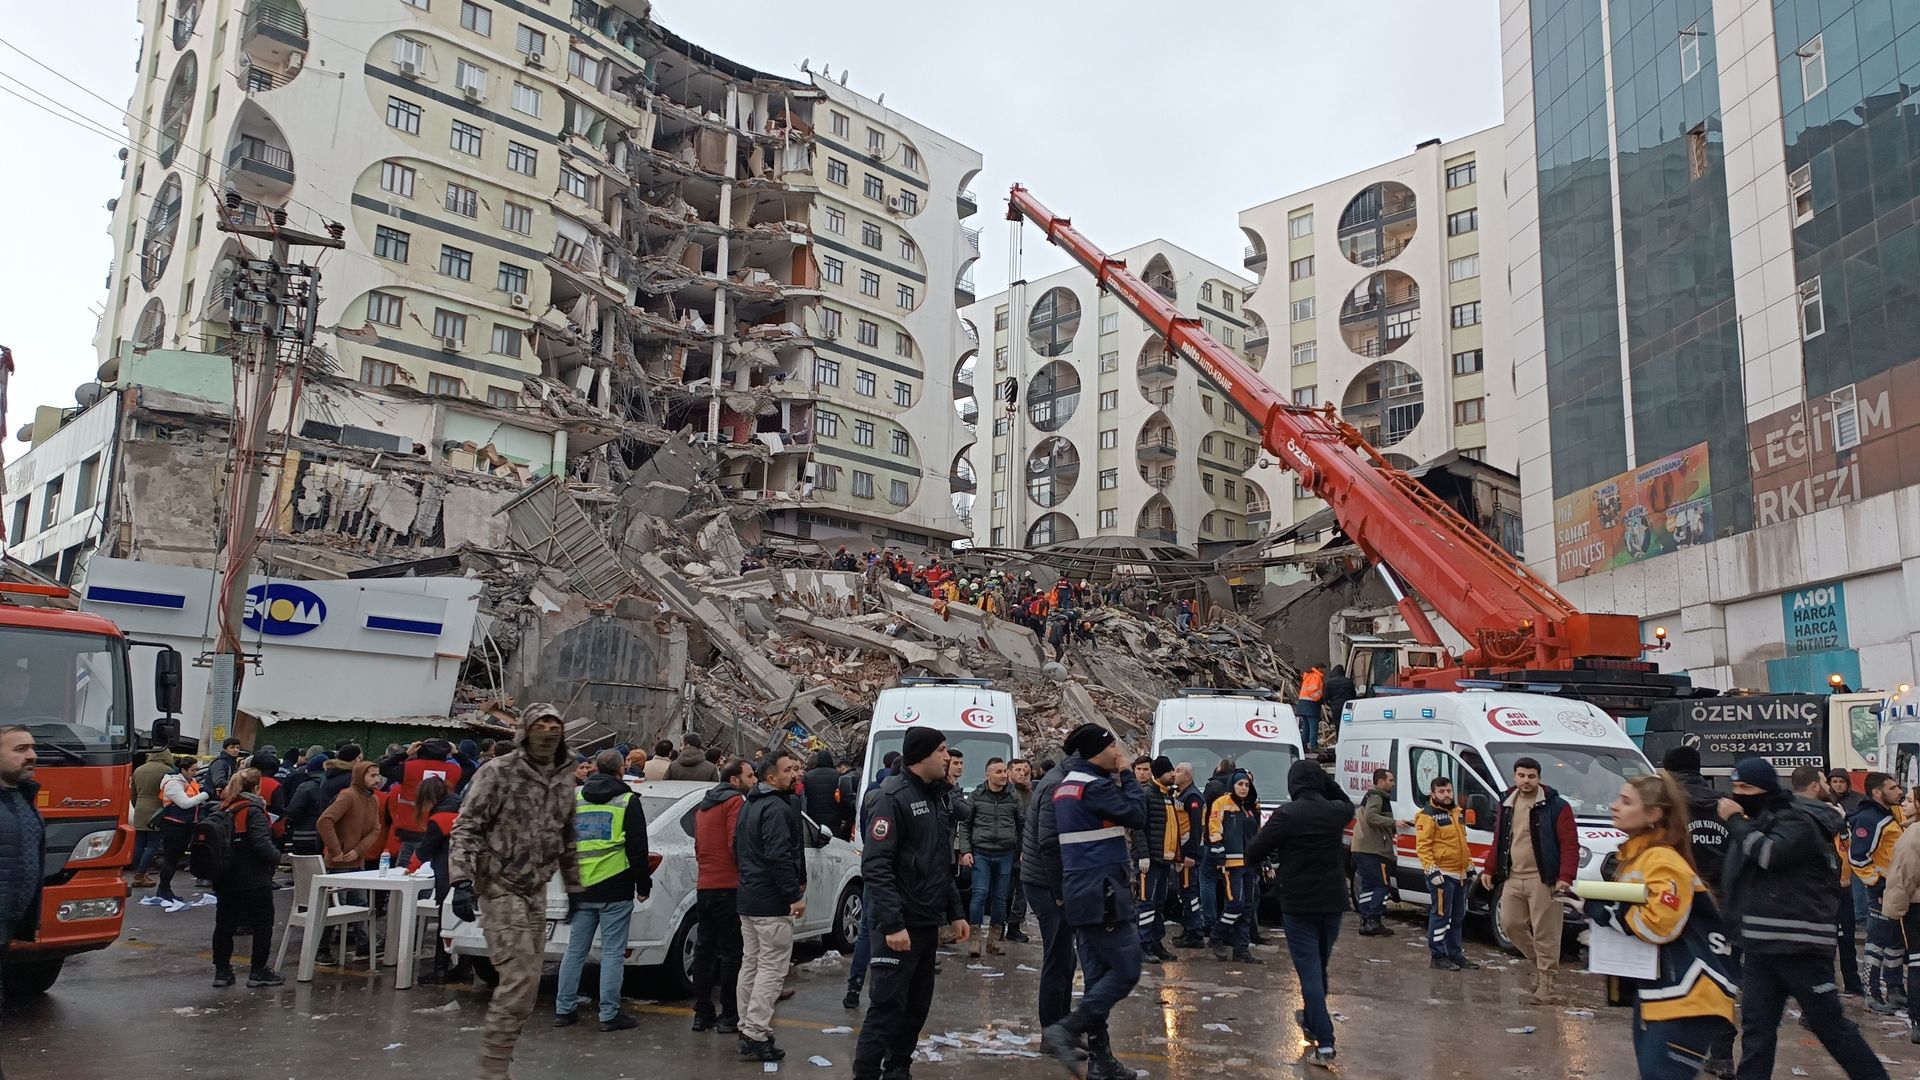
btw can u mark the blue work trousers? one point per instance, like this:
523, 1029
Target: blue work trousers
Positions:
1447, 919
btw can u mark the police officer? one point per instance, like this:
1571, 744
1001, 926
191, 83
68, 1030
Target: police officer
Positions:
1097, 801
908, 867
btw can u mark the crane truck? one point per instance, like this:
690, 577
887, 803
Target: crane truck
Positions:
1522, 634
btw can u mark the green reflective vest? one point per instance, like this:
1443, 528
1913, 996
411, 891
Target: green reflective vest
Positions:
600, 837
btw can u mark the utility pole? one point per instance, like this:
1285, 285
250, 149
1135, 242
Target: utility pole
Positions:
275, 306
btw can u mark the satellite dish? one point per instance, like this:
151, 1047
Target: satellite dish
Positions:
88, 393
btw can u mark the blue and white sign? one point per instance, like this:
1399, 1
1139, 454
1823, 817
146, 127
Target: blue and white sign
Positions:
283, 609
1815, 618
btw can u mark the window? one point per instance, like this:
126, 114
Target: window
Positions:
449, 325
375, 373
1001, 425
1206, 406
834, 270
909, 202
503, 397
1000, 358
902, 393
876, 141
837, 171
910, 158
1466, 363
476, 18
1109, 479
830, 322
869, 333
506, 342
1846, 417
897, 492
522, 159
1109, 438
865, 384
1306, 353
1206, 291
1464, 222
826, 477
421, 4
871, 236
836, 221
1300, 225
396, 178
1689, 52
875, 189
384, 308
390, 243
1226, 485
1226, 298
1466, 314
584, 68
1300, 268
900, 443
463, 201
869, 283
1699, 160
456, 262
1470, 411
517, 218
1306, 395
826, 372
999, 463
511, 279
863, 484
1000, 318
903, 296
1206, 485
1110, 323
526, 99
466, 138
530, 41
1109, 361
1226, 334
1464, 267
445, 385
1800, 188
907, 252
1813, 317
1302, 309
902, 344
826, 424
841, 125
404, 115
575, 183
1109, 400
1813, 67
470, 76
1459, 176
1110, 519
863, 433
408, 51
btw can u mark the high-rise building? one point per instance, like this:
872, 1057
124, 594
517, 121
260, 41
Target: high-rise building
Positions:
1112, 434
563, 205
1715, 269
1391, 283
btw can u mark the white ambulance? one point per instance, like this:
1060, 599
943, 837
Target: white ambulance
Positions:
977, 720
1204, 725
1473, 737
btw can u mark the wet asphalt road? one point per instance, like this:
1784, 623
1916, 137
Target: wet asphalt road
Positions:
115, 1013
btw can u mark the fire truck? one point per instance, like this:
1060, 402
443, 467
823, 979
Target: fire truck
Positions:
65, 676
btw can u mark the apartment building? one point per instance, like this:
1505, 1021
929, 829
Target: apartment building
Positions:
1391, 284
1112, 434
560, 205
1714, 271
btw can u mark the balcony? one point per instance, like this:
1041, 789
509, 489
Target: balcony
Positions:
973, 336
963, 385
282, 25
1258, 521
1156, 366
1160, 481
1255, 259
967, 203
1363, 254
962, 481
963, 293
1159, 398
972, 238
1257, 339
1164, 285
970, 412
1060, 468
1157, 446
1161, 533
259, 168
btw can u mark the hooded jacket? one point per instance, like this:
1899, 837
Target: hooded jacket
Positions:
714, 823
636, 881
1778, 877
335, 775
993, 823
820, 787
692, 764
515, 828
146, 788
435, 842
1306, 837
304, 806
769, 846
351, 828
254, 855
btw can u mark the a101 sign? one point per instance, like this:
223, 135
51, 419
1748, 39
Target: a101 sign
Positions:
1815, 618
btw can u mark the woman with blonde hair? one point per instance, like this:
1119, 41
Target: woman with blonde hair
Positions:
245, 886
1688, 1003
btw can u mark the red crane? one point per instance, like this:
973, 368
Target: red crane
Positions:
1419, 544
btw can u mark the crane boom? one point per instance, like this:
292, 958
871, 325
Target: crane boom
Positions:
1413, 536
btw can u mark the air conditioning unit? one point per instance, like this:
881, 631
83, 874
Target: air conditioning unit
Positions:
536, 59
893, 203
408, 68
521, 300
295, 60
450, 344
474, 93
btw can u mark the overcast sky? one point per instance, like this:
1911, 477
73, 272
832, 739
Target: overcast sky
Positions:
1136, 119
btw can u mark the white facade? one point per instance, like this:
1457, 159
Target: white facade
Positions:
1387, 293
1113, 436
56, 492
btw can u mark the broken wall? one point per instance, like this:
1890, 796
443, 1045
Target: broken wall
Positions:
626, 674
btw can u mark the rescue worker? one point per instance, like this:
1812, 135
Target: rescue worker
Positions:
1536, 856
610, 844
907, 863
1041, 877
990, 837
1097, 801
1688, 1004
717, 946
1373, 830
1306, 707
1440, 842
1231, 823
1875, 830
515, 830
1708, 835
405, 770
1194, 917
1158, 851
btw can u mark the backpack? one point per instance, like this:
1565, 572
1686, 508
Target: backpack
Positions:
1312, 685
210, 848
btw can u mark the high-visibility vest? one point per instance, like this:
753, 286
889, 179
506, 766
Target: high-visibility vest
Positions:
600, 838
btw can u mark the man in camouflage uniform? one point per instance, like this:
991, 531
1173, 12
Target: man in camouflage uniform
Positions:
514, 830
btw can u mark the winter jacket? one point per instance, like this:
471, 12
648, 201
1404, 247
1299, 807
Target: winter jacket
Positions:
1903, 877
1704, 827
1040, 839
23, 859
1306, 838
351, 829
715, 821
636, 881
770, 847
656, 768
219, 771
1166, 833
1196, 814
820, 786
848, 787
993, 824
907, 859
515, 829
303, 813
180, 799
1556, 844
1092, 812
435, 842
692, 764
1339, 691
1778, 877
1698, 974
1230, 828
254, 855
1373, 826
335, 776
1440, 842
146, 789
407, 774
1875, 830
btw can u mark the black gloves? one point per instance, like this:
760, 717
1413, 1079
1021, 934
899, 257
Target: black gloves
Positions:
462, 902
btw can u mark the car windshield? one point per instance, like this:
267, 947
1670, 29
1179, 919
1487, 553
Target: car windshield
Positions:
1267, 762
66, 688
976, 747
1588, 777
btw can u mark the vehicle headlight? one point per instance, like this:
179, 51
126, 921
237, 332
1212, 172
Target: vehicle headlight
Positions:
92, 846
77, 910
1586, 856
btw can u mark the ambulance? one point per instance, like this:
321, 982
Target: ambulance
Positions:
977, 720
1204, 725
1473, 737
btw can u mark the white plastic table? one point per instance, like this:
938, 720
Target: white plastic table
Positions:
406, 890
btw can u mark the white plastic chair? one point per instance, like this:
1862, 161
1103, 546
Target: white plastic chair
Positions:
306, 868
425, 912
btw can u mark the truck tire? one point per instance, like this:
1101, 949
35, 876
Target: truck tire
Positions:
31, 978
847, 914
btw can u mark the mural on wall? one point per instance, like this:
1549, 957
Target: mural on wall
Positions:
1661, 506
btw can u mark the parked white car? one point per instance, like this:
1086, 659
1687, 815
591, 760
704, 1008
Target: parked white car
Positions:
661, 933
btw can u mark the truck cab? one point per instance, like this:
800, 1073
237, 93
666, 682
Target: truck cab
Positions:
977, 720
1204, 725
1375, 662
